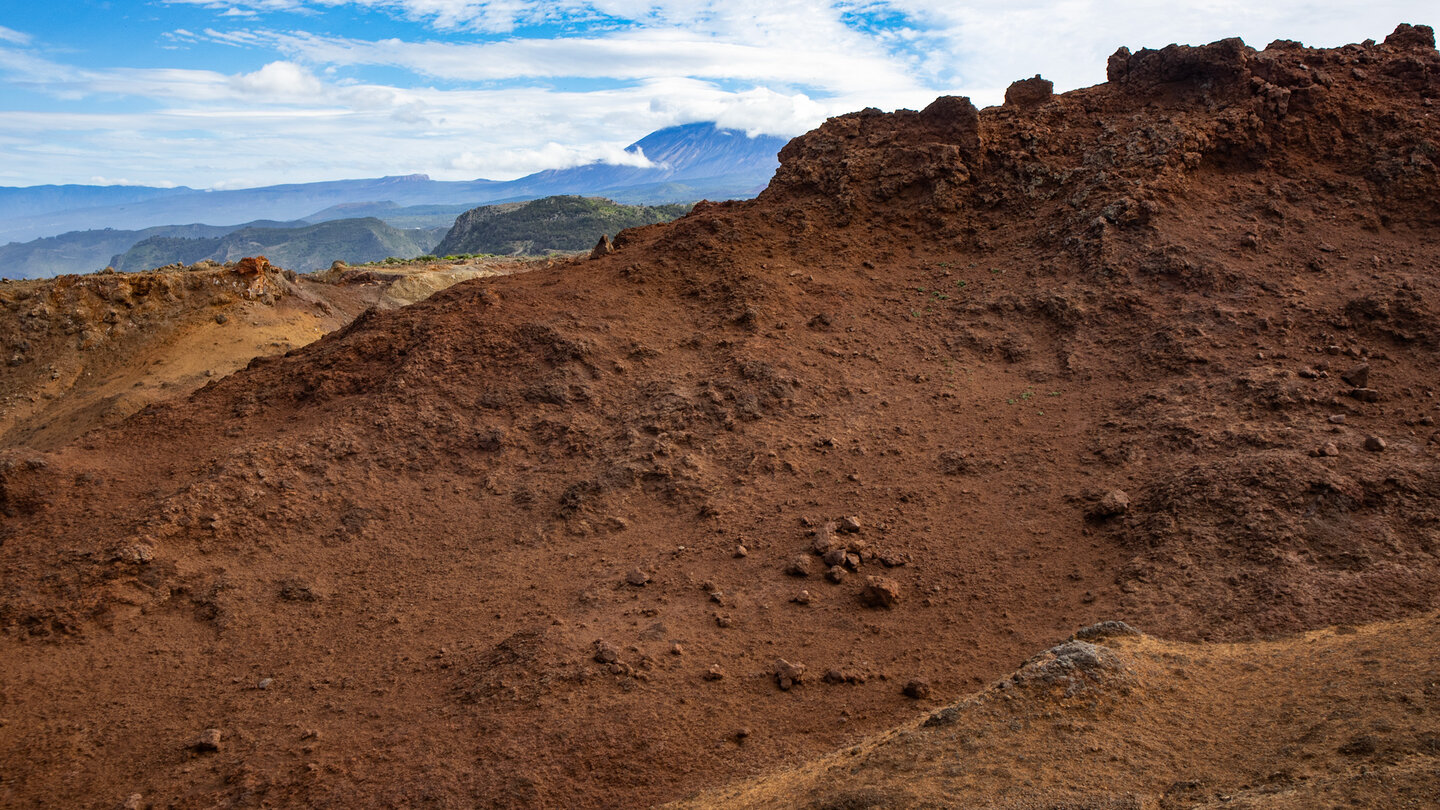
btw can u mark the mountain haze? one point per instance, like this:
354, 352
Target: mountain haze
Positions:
303, 249
689, 162
87, 251
30, 201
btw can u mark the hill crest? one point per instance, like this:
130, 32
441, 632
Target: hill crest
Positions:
957, 382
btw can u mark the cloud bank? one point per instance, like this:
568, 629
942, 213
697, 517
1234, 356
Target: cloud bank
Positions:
252, 92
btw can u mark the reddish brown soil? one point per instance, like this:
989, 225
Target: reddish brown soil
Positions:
429, 530
1333, 718
85, 351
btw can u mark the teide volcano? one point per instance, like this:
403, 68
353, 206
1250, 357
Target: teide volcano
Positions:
956, 384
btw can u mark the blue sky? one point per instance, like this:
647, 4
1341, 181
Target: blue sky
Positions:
232, 93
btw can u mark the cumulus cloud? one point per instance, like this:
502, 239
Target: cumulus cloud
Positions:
472, 88
983, 45
280, 80
551, 156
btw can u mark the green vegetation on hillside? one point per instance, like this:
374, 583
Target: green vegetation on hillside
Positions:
551, 223
312, 247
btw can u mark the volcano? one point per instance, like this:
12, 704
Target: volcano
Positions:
785, 473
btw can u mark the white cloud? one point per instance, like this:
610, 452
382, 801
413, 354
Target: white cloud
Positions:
462, 105
983, 45
278, 80
629, 56
11, 35
553, 156
100, 180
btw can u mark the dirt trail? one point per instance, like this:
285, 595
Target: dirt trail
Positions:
957, 383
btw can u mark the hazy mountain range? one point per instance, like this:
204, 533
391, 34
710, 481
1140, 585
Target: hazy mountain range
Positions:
687, 163
304, 248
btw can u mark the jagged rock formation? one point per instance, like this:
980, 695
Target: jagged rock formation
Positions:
504, 526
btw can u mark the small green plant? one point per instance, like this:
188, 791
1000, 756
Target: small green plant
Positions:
960, 284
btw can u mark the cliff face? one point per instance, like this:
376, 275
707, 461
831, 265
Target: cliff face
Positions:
956, 383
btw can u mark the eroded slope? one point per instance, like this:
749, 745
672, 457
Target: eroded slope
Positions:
1073, 359
85, 351
1341, 717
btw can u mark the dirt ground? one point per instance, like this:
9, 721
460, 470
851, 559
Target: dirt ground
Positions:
1343, 717
783, 475
85, 351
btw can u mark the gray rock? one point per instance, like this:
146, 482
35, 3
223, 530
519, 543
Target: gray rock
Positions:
1079, 666
1108, 629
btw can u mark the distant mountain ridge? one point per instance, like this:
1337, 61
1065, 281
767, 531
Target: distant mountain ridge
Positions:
305, 248
88, 251
549, 223
33, 200
689, 162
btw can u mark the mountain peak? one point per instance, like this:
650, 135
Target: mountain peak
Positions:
705, 148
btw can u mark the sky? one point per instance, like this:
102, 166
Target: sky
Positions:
241, 93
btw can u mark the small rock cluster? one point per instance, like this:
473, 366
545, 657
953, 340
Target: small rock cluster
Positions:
841, 552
